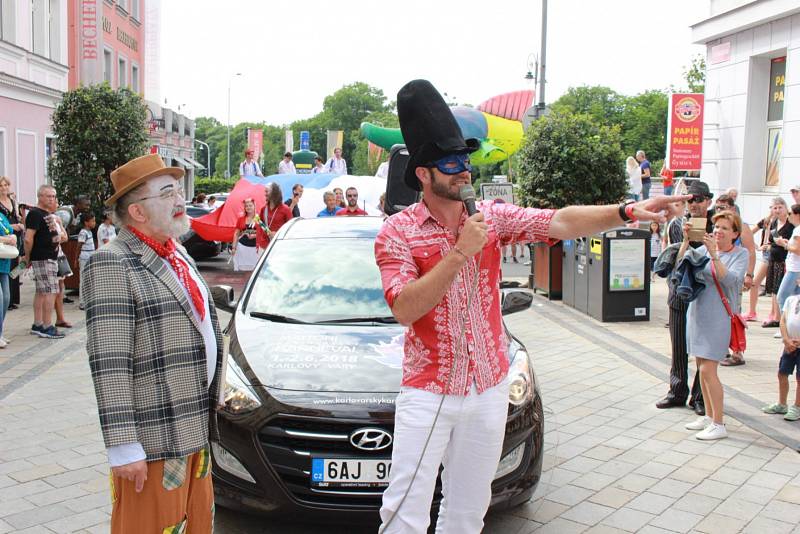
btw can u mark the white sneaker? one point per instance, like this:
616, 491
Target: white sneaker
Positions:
711, 432
4, 338
777, 335
699, 424
3, 343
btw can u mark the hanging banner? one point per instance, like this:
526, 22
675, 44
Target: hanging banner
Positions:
335, 140
289, 141
685, 131
255, 142
305, 140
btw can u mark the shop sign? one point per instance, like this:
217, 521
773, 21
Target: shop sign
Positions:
685, 131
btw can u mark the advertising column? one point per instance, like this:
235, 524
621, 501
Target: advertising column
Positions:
90, 41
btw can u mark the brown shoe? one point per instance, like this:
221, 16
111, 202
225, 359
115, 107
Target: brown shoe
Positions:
64, 324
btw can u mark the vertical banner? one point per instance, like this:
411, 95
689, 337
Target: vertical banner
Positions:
374, 154
335, 140
255, 142
289, 141
305, 140
91, 42
685, 131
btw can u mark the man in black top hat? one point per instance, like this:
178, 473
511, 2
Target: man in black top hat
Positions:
441, 271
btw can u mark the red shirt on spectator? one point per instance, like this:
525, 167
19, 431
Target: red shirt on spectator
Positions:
439, 356
347, 212
274, 219
668, 175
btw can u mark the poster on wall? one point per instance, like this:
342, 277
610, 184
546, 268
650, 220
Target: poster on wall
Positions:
626, 265
685, 131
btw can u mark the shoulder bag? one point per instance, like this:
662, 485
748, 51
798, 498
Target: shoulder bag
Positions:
738, 341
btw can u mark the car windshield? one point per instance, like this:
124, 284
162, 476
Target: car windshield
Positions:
316, 280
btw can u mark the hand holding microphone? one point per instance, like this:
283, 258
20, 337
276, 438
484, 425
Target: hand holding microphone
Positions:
475, 232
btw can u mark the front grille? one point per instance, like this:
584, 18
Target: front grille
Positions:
290, 442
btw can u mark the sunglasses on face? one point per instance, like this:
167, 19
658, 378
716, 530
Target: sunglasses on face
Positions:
696, 198
723, 207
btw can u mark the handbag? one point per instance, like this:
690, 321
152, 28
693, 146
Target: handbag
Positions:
738, 341
8, 252
64, 270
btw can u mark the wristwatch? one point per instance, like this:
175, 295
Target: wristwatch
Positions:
625, 213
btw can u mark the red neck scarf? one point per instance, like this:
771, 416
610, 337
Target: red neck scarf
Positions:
167, 251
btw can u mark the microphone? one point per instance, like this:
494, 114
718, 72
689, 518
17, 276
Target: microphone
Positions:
467, 194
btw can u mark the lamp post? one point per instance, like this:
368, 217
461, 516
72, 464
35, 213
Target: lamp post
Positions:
228, 172
208, 157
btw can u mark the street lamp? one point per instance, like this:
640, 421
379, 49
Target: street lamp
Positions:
228, 172
208, 157
533, 68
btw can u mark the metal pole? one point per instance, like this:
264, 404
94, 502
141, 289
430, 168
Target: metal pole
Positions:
543, 57
229, 123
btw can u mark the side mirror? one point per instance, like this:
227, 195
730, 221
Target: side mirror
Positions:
516, 301
223, 298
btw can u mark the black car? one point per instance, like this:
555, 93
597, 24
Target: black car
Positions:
314, 366
197, 247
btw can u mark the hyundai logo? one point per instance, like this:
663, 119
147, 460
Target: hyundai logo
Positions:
370, 439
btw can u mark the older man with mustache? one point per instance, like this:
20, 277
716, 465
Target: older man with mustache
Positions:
155, 351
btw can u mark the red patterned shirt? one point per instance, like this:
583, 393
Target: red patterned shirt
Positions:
438, 357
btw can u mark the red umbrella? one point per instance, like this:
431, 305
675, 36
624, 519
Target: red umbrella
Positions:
221, 224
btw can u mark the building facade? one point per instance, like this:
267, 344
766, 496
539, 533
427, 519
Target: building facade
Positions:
106, 43
751, 135
33, 75
172, 138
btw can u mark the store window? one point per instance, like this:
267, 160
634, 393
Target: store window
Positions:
7, 25
777, 82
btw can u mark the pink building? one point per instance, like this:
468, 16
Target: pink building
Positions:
33, 74
106, 43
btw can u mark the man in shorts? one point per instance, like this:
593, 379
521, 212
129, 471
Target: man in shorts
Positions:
42, 237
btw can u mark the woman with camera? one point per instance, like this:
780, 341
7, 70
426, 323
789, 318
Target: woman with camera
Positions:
708, 323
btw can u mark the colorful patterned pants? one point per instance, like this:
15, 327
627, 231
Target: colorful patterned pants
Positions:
177, 498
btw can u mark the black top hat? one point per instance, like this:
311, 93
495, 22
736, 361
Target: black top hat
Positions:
700, 189
429, 128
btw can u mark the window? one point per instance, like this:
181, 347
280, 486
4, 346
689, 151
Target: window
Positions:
3, 153
54, 30
122, 74
39, 17
107, 66
7, 25
49, 152
135, 77
777, 85
135, 14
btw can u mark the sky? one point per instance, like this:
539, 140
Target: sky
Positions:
293, 54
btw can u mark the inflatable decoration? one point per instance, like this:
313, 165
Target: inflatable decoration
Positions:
497, 123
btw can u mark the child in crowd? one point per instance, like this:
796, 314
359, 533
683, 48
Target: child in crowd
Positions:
106, 233
790, 361
655, 246
86, 240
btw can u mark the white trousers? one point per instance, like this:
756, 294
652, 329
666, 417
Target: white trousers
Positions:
467, 440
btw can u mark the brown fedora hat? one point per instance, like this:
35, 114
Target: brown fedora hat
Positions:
136, 172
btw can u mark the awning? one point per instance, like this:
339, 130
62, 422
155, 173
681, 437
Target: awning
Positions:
194, 162
182, 162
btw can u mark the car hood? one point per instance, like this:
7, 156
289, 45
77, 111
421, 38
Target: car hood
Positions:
334, 358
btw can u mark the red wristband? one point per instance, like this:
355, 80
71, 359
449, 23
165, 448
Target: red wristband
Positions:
629, 212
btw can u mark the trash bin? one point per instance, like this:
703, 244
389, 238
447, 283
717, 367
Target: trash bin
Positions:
582, 262
619, 275
568, 272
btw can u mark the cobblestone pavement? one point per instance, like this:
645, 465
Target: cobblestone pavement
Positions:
613, 463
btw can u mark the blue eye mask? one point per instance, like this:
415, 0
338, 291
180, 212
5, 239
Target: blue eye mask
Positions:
453, 164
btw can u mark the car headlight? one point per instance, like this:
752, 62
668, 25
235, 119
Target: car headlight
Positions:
520, 379
239, 397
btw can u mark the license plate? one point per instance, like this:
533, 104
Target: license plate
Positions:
349, 473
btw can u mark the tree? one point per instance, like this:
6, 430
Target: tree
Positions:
359, 163
571, 159
98, 129
643, 124
603, 104
695, 74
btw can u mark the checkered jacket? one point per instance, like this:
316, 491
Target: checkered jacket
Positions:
146, 353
